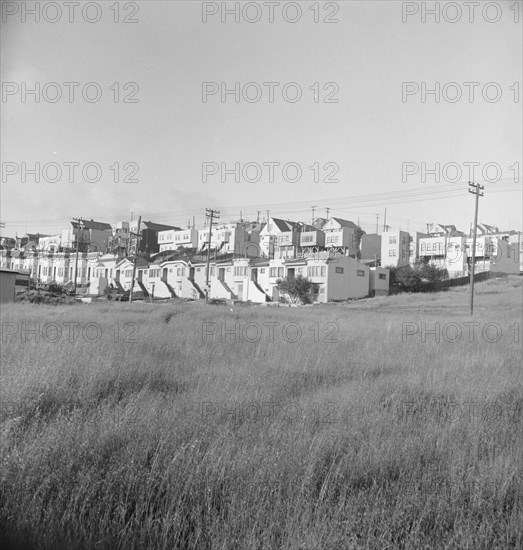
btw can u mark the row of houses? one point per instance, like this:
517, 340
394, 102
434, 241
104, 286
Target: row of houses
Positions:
247, 258
446, 247
178, 274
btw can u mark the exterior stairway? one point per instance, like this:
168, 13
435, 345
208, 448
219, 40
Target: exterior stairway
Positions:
119, 286
171, 289
267, 298
228, 289
143, 289
197, 288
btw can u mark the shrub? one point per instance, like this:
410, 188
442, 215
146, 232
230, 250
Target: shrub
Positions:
297, 288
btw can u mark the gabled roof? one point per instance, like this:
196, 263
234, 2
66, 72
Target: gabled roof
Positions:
320, 222
446, 228
488, 228
345, 223
283, 225
140, 262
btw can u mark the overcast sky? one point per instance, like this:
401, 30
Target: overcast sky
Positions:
169, 132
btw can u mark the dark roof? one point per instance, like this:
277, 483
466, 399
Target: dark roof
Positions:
159, 226
282, 225
91, 224
345, 223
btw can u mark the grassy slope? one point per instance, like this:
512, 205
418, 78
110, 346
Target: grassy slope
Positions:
130, 445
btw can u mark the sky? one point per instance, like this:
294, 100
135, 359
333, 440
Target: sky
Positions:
368, 147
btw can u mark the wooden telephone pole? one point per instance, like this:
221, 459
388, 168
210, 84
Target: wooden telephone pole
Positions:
78, 224
475, 189
135, 259
209, 213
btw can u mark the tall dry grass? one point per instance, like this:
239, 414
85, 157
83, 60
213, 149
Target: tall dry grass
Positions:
175, 441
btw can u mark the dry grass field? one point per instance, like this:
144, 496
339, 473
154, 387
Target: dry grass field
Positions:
185, 426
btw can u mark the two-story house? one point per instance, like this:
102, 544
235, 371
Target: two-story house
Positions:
341, 235
395, 248
174, 239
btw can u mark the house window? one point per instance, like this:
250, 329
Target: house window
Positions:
307, 238
382, 276
240, 271
392, 240
360, 273
333, 239
180, 272
262, 270
339, 270
392, 253
316, 271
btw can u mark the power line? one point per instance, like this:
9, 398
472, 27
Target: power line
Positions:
368, 200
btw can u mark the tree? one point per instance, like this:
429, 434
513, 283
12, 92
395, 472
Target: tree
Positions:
297, 288
356, 240
431, 272
406, 278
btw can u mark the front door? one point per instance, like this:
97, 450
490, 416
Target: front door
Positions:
221, 274
240, 291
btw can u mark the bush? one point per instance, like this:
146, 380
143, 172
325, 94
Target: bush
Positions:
406, 278
297, 288
420, 278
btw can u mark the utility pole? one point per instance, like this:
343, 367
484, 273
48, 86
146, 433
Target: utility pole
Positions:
135, 259
258, 212
385, 228
313, 208
377, 223
209, 213
475, 189
78, 224
327, 210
